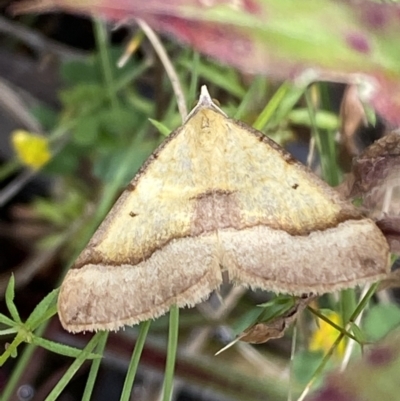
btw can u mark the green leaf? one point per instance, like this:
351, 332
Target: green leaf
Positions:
121, 122
275, 310
289, 99
246, 320
61, 349
48, 117
278, 107
279, 300
42, 309
83, 99
77, 72
11, 330
370, 114
324, 120
66, 161
9, 168
6, 320
304, 365
264, 312
163, 130
10, 300
48, 210
108, 166
358, 333
86, 131
380, 320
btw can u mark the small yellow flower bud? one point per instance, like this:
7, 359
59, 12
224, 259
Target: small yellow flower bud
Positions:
31, 149
325, 335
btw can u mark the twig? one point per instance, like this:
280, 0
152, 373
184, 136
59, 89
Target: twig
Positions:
351, 343
311, 152
169, 68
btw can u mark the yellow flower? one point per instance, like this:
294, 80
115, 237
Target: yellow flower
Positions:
325, 335
32, 149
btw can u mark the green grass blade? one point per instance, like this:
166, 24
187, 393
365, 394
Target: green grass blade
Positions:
171, 353
134, 363
100, 33
69, 374
268, 111
249, 96
94, 369
163, 129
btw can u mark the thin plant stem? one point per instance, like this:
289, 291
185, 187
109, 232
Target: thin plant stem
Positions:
334, 325
94, 369
325, 145
250, 94
101, 36
20, 367
134, 363
350, 345
364, 301
132, 75
311, 152
347, 303
78, 362
171, 353
360, 307
314, 129
169, 67
321, 367
268, 111
292, 354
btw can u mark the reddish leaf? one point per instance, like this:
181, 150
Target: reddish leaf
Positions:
279, 38
375, 377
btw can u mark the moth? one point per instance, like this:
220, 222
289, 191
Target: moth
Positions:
217, 196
